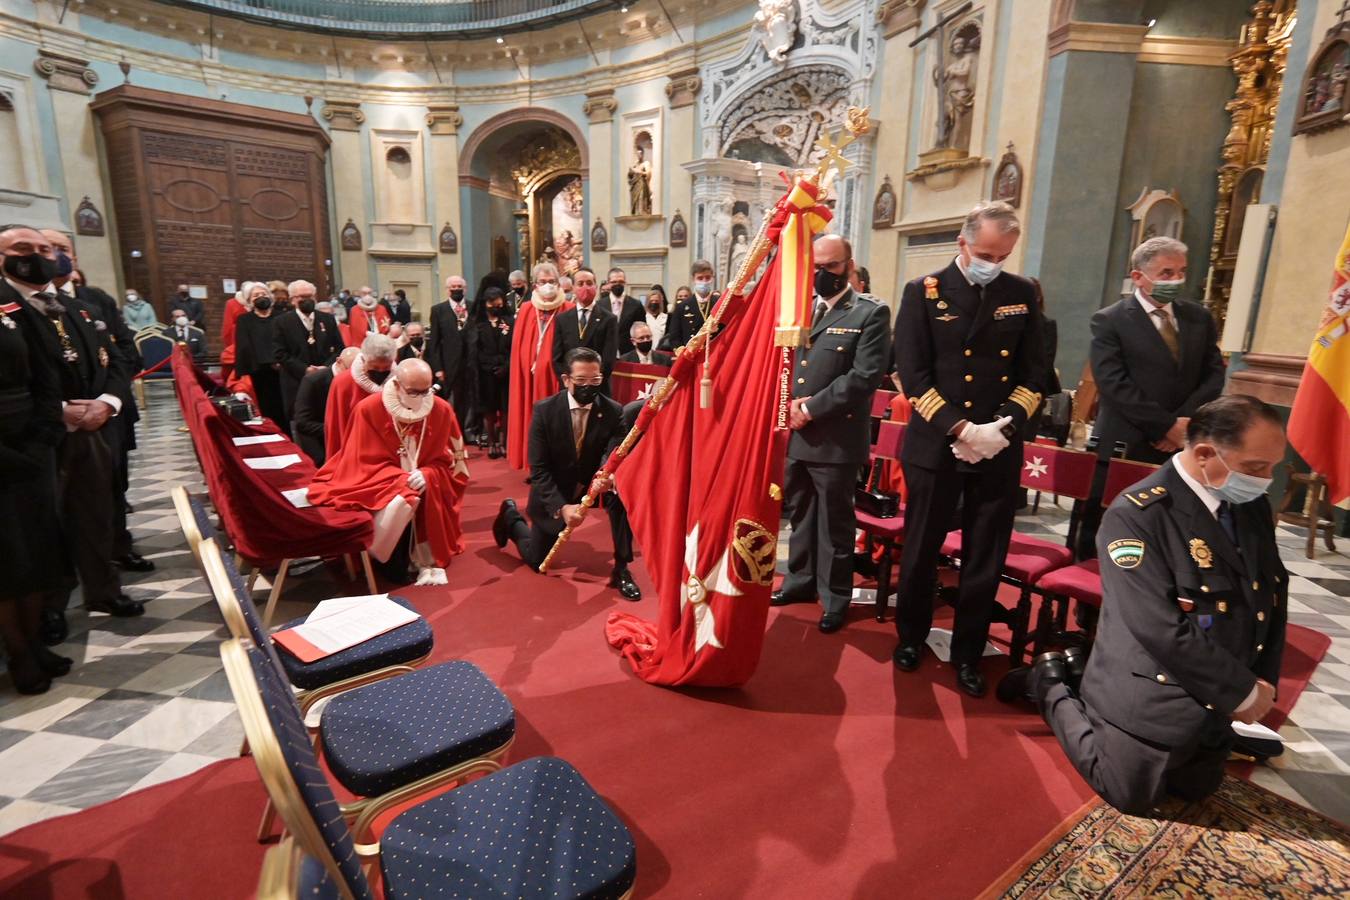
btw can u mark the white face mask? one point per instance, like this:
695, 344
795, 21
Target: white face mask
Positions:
981, 271
181, 321
547, 291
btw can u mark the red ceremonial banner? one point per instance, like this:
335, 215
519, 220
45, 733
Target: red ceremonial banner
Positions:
634, 381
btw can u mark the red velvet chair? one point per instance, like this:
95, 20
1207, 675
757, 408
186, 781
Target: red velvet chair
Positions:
888, 533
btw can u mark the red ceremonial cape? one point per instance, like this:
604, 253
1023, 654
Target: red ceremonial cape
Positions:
530, 383
360, 323
366, 473
343, 398
233, 310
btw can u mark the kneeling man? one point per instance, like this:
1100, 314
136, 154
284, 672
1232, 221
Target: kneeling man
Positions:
403, 460
571, 435
1192, 622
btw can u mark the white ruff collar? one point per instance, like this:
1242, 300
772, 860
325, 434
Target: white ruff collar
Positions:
542, 305
373, 303
359, 375
400, 412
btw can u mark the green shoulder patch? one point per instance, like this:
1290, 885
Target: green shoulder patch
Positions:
1126, 554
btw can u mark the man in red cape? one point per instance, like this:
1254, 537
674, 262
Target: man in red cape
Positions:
364, 378
532, 376
403, 462
368, 316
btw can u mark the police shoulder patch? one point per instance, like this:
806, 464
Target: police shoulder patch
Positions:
1126, 553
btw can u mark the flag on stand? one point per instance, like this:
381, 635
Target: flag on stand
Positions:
703, 487
1319, 424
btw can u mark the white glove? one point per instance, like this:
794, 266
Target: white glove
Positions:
987, 440
962, 451
417, 481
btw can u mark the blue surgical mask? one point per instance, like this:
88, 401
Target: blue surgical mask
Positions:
1239, 487
64, 265
981, 271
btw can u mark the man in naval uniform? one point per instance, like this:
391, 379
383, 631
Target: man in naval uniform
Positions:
968, 349
1192, 624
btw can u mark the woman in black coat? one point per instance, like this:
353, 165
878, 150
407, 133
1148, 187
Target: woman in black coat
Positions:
255, 356
492, 342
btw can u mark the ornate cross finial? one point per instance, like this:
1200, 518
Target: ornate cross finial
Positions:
834, 156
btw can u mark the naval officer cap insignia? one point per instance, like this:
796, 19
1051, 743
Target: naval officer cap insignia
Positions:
1126, 554
1200, 552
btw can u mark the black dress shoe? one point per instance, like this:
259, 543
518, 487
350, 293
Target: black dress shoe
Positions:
623, 580
53, 664
1075, 661
1014, 685
123, 607
831, 622
969, 679
53, 629
1048, 670
30, 682
907, 656
783, 598
134, 562
1001, 614
501, 526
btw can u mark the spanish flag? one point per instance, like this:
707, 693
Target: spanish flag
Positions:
1319, 424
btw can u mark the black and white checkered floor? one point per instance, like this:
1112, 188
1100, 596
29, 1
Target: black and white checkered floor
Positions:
148, 702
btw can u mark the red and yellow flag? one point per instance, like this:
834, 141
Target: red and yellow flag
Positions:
1319, 424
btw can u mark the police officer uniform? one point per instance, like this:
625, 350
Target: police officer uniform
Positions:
838, 371
963, 353
1191, 617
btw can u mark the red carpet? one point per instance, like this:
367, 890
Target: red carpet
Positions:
829, 775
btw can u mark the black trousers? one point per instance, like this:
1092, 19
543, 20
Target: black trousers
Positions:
117, 434
988, 500
1129, 772
535, 538
819, 499
1085, 546
289, 387
267, 387
460, 396
86, 497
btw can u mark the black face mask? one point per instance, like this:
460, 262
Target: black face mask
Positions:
644, 347
417, 342
827, 284
306, 306
654, 308
585, 394
457, 295
263, 303
31, 269
377, 375
496, 310
617, 289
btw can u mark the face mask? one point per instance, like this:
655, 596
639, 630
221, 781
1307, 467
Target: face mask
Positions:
617, 289
30, 269
417, 342
306, 306
569, 296
703, 288
181, 321
654, 307
64, 265
377, 375
585, 294
827, 283
982, 271
585, 394
547, 291
1239, 487
457, 295
644, 347
1164, 292
263, 303
496, 309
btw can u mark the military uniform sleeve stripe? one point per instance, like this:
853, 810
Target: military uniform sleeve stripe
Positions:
1027, 399
928, 404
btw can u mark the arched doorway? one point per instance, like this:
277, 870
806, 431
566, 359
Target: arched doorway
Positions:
522, 182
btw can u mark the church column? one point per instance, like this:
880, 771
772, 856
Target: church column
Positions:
682, 91
444, 121
344, 118
71, 81
599, 108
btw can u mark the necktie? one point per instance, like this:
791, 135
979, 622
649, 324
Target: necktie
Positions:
820, 311
578, 428
1228, 523
1168, 332
582, 317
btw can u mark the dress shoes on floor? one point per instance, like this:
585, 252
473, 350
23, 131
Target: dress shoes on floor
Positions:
831, 622
54, 665
969, 679
1030, 683
783, 598
134, 562
623, 580
501, 526
122, 607
907, 657
53, 629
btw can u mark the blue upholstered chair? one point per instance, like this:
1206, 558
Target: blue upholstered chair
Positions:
533, 830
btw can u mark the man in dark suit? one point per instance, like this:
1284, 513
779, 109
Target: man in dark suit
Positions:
400, 310
1192, 622
589, 324
968, 347
449, 349
311, 402
94, 377
305, 340
642, 352
688, 316
191, 307
571, 435
625, 308
837, 373
182, 331
416, 347
1156, 360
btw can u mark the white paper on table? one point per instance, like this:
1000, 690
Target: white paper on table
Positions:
272, 462
257, 439
1255, 730
337, 605
299, 497
355, 623
940, 642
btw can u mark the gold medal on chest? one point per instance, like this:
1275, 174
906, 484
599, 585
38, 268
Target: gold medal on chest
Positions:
311, 339
942, 304
930, 287
1200, 552
103, 357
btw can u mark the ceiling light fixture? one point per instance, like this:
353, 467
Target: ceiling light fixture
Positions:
1152, 22
501, 40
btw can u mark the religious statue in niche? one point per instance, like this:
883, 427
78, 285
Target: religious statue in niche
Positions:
1324, 103
640, 180
449, 240
883, 208
740, 249
777, 23
568, 248
599, 236
679, 232
954, 76
1008, 179
351, 236
88, 220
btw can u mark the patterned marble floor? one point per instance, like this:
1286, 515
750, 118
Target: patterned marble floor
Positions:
147, 700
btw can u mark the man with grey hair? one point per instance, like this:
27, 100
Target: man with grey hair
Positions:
519, 292
1155, 359
306, 340
365, 377
968, 348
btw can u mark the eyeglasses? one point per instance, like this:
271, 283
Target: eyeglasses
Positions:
589, 382
412, 393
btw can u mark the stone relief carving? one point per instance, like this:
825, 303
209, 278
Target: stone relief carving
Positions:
780, 121
954, 75
777, 23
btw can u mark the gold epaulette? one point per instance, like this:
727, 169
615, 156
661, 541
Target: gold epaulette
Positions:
928, 404
1026, 398
1143, 498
